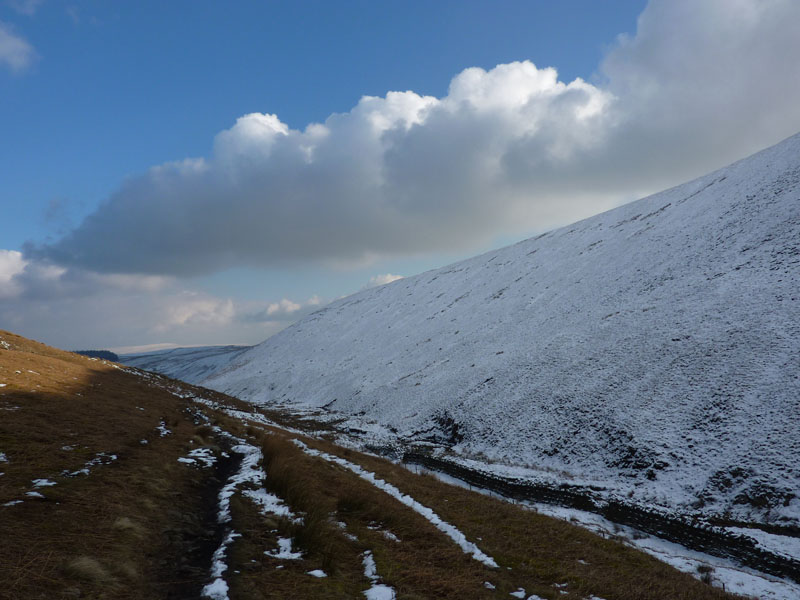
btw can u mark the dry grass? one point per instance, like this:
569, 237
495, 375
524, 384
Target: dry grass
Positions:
540, 551
134, 528
58, 411
85, 568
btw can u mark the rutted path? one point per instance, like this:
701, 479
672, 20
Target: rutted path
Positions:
194, 540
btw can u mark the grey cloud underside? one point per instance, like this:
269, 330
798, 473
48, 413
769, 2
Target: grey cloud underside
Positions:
508, 150
429, 193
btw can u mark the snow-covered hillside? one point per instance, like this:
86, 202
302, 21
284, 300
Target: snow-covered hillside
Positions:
187, 364
653, 350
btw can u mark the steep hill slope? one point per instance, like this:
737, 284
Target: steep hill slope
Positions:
652, 350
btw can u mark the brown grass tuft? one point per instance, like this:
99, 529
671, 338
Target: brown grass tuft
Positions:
127, 526
88, 569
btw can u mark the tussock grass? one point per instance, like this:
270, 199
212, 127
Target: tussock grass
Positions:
86, 568
540, 550
126, 526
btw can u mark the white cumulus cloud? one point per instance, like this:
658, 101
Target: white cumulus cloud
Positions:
383, 279
284, 306
508, 150
11, 265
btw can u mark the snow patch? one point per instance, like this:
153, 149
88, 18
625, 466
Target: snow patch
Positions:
377, 591
380, 591
38, 483
101, 458
202, 456
284, 551
218, 588
318, 573
270, 504
449, 530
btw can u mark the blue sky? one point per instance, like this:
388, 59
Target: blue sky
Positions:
119, 87
251, 222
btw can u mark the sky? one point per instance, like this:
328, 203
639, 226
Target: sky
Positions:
192, 173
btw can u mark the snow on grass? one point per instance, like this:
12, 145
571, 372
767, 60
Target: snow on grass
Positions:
735, 578
270, 504
318, 573
772, 542
520, 593
249, 473
343, 526
13, 502
449, 530
34, 494
202, 456
3, 457
101, 458
257, 417
218, 588
378, 591
162, 429
284, 551
43, 483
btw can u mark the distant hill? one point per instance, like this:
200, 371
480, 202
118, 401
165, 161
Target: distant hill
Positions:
652, 351
104, 354
187, 364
